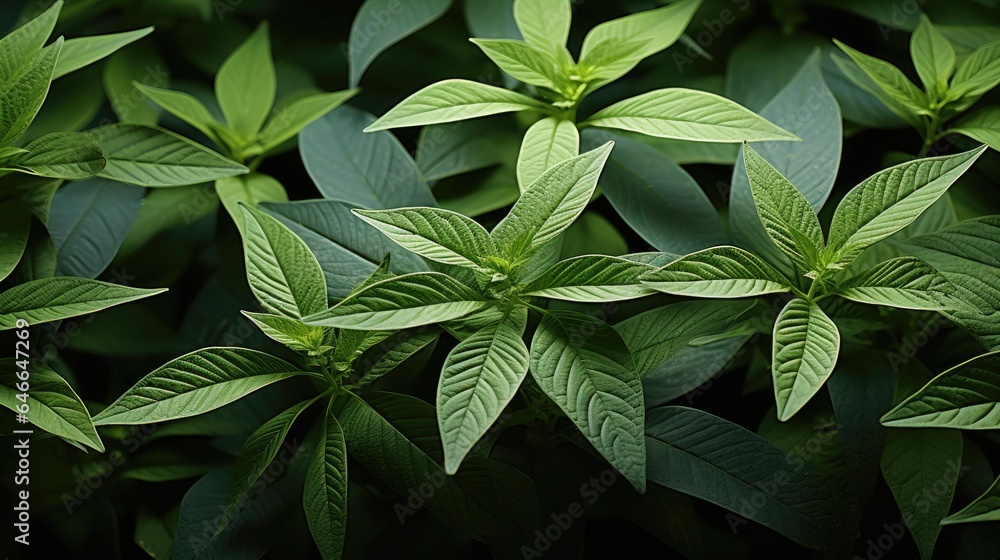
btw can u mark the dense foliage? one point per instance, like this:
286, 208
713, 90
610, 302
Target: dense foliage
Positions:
715, 278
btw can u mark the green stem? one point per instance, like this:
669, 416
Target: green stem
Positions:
930, 134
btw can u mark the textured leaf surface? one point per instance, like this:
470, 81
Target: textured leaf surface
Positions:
904, 282
806, 345
325, 494
433, 233
52, 299
719, 272
548, 142
591, 278
966, 397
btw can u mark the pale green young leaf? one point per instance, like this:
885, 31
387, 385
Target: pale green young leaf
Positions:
379, 24
914, 461
904, 282
24, 93
52, 404
610, 60
440, 235
719, 272
246, 84
288, 121
389, 354
585, 367
983, 508
544, 23
933, 56
479, 378
788, 218
806, 346
249, 190
325, 494
151, 157
687, 114
890, 200
184, 106
546, 143
524, 62
19, 47
194, 384
82, 51
857, 77
283, 274
52, 299
290, 332
62, 155
551, 203
402, 302
966, 397
454, 100
591, 278
907, 99
978, 74
15, 224
983, 125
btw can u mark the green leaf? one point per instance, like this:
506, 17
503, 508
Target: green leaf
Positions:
80, 52
19, 47
658, 28
62, 155
965, 397
551, 203
893, 87
440, 235
610, 60
325, 495
982, 125
585, 367
249, 190
548, 142
283, 274
15, 224
447, 150
291, 333
591, 278
978, 74
890, 200
138, 63
933, 56
983, 508
52, 299
255, 455
657, 335
524, 62
369, 170
379, 24
288, 121
184, 106
479, 378
151, 157
914, 461
719, 272
806, 345
410, 300
720, 462
246, 84
690, 370
904, 282
454, 100
687, 114
194, 384
24, 93
544, 23
52, 404
787, 216
391, 353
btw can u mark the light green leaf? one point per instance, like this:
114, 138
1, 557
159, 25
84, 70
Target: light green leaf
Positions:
719, 272
894, 88
440, 235
983, 508
548, 142
912, 462
389, 354
22, 45
978, 74
250, 190
966, 397
380, 24
184, 106
890, 200
15, 223
283, 274
454, 100
933, 56
52, 299
325, 495
787, 216
24, 93
62, 155
194, 384
52, 404
806, 345
982, 125
585, 367
591, 278
77, 53
904, 282
291, 333
687, 114
479, 378
288, 121
410, 300
524, 62
245, 84
610, 60
551, 203
151, 157
544, 23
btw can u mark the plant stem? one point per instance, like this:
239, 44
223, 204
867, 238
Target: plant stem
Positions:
930, 135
